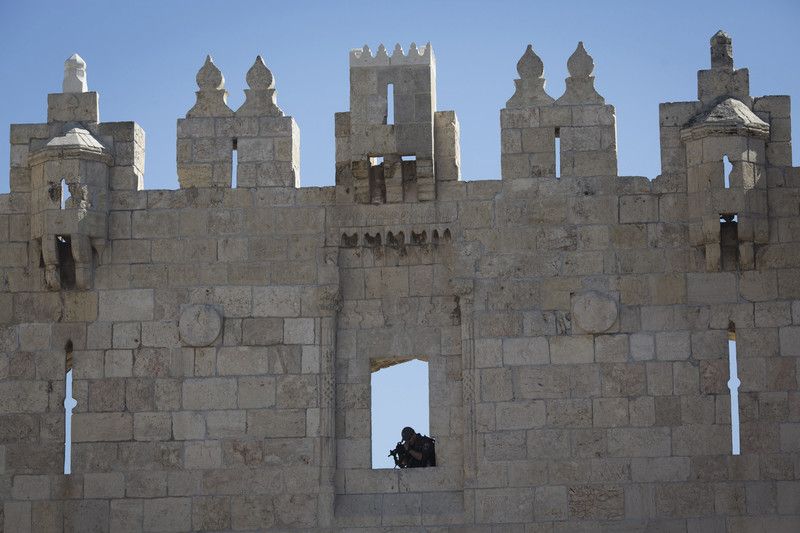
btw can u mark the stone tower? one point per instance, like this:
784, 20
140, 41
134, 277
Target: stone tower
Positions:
381, 161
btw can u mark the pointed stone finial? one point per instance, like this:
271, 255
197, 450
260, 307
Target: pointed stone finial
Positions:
211, 98
398, 51
260, 97
209, 77
74, 75
580, 84
259, 76
530, 65
580, 64
722, 51
530, 86
412, 50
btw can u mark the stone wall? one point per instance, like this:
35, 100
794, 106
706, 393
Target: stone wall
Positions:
576, 327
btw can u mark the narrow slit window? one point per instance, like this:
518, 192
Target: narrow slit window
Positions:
234, 162
66, 261
733, 386
399, 399
69, 404
558, 154
728, 168
64, 194
729, 240
390, 103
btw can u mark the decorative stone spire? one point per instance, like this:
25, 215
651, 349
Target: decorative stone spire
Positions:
722, 51
580, 84
260, 97
74, 75
531, 83
211, 98
722, 80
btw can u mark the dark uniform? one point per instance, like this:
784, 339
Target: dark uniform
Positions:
422, 445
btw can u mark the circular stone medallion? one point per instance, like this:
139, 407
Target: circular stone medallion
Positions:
594, 312
199, 325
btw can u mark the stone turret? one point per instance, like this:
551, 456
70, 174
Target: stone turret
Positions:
380, 160
69, 166
723, 151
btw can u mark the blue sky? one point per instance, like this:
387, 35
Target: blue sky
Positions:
143, 57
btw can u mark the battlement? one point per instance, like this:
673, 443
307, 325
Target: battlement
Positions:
362, 57
604, 352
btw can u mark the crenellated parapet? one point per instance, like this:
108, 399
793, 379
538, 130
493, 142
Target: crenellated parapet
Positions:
266, 142
583, 123
362, 57
393, 146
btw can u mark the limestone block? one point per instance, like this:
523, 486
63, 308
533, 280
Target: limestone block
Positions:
610, 412
106, 395
151, 362
638, 208
226, 424
31, 487
672, 346
587, 502
154, 224
498, 506
550, 503
612, 348
188, 426
152, 426
73, 107
525, 351
623, 379
711, 288
167, 514
276, 423
102, 427
535, 382
574, 349
569, 413
593, 210
209, 393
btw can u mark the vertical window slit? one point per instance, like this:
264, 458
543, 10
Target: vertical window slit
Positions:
69, 404
234, 162
390, 103
558, 153
728, 168
733, 386
64, 194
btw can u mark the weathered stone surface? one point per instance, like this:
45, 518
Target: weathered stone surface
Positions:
575, 328
594, 312
199, 325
